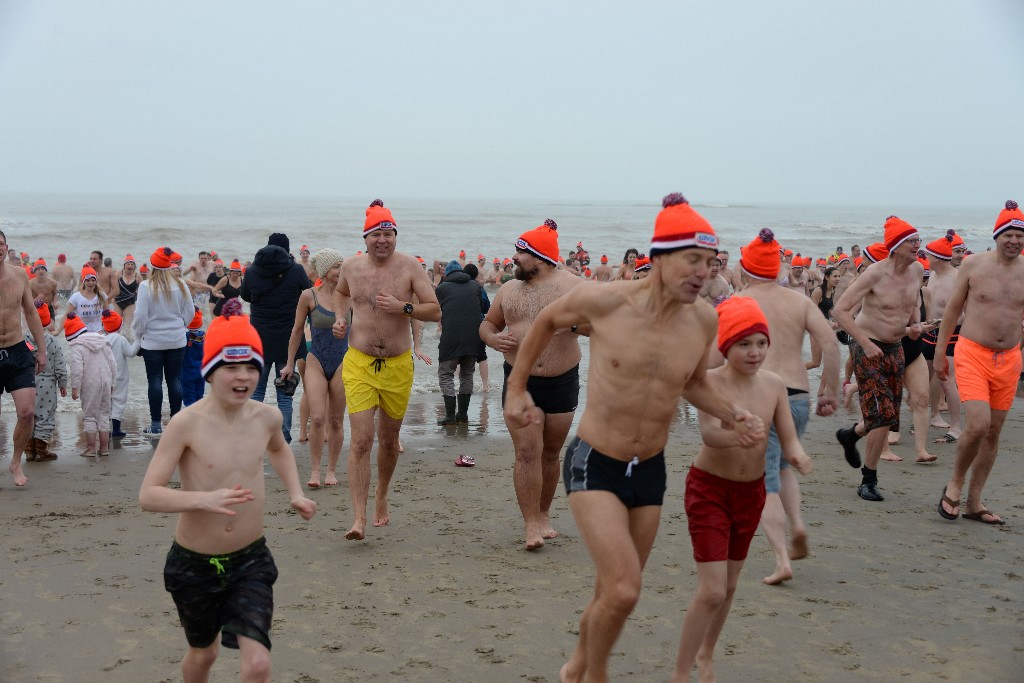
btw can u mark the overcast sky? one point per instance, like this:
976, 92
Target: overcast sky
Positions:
867, 102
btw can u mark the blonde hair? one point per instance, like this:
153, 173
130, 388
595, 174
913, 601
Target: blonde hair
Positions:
160, 283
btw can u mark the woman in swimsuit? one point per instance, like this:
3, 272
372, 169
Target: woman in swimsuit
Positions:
127, 291
213, 280
822, 297
228, 287
323, 385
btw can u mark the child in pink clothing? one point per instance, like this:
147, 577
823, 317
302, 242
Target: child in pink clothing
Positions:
93, 371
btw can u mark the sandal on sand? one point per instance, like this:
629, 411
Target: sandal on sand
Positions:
465, 461
103, 453
87, 454
946, 438
951, 503
979, 516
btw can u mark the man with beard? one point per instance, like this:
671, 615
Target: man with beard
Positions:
554, 379
106, 278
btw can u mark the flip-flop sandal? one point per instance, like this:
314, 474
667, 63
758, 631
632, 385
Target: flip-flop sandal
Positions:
979, 516
946, 438
951, 503
465, 461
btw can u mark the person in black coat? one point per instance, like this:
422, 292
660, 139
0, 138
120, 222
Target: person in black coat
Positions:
272, 286
462, 305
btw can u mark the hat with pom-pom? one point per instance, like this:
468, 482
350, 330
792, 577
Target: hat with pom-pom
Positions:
43, 309
922, 258
304, 248
604, 259
876, 252
738, 318
161, 258
760, 258
897, 231
378, 218
642, 264
1010, 218
197, 320
842, 258
542, 242
89, 271
231, 339
111, 320
129, 259
73, 326
678, 226
943, 247
39, 264
325, 259
857, 263
236, 266
143, 269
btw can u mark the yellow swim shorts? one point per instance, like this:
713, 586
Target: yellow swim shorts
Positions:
371, 382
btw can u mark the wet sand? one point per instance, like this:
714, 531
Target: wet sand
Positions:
445, 593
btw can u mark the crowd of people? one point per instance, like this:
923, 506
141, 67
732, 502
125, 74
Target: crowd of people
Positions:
902, 310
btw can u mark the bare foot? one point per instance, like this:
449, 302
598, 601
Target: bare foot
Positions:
546, 530
939, 422
535, 543
894, 437
303, 438
314, 481
401, 448
889, 456
534, 537
19, 477
706, 672
357, 532
798, 550
780, 575
331, 479
926, 457
380, 513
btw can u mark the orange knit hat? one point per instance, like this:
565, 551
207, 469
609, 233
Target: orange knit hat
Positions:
378, 218
642, 263
231, 339
799, 262
542, 242
73, 326
129, 259
197, 320
841, 258
876, 252
738, 318
604, 259
143, 269
923, 260
943, 247
856, 263
44, 312
40, 263
111, 320
89, 271
760, 258
897, 232
1010, 218
235, 265
161, 258
678, 226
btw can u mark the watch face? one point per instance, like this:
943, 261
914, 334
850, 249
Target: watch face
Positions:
408, 309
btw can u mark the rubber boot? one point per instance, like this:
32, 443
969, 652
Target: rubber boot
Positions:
30, 450
449, 411
43, 452
463, 415
116, 431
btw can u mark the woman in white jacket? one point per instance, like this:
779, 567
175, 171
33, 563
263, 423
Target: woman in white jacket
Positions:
162, 311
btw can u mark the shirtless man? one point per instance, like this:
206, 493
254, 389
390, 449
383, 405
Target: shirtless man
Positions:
791, 314
846, 274
603, 273
67, 279
378, 288
615, 467
43, 286
991, 287
18, 370
553, 379
106, 278
798, 280
494, 275
888, 291
941, 255
730, 275
199, 272
716, 289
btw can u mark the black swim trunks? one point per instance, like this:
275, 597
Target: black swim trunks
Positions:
17, 368
635, 483
930, 339
232, 594
559, 394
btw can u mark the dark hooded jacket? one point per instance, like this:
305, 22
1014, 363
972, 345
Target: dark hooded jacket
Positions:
272, 285
462, 308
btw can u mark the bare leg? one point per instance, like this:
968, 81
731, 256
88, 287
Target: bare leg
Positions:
255, 657
484, 375
362, 425
527, 476
983, 463
315, 396
387, 460
25, 408
915, 379
789, 492
773, 522
300, 366
195, 667
716, 584
979, 419
556, 428
874, 442
335, 429
952, 394
104, 443
705, 656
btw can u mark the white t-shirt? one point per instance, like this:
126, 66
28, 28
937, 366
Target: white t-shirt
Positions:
89, 310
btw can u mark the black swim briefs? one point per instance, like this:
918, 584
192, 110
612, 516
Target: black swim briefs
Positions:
17, 368
558, 394
232, 593
635, 483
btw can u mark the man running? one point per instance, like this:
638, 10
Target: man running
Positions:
941, 254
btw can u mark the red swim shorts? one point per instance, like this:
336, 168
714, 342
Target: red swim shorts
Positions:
722, 515
988, 375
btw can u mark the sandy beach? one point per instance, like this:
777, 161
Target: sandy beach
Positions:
446, 593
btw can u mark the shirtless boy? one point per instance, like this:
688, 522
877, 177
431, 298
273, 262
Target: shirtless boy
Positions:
219, 570
614, 469
888, 291
18, 368
378, 287
989, 291
725, 486
554, 378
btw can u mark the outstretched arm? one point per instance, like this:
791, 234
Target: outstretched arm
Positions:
283, 461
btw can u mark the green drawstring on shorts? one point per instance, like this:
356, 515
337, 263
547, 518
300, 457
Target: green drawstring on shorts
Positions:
216, 562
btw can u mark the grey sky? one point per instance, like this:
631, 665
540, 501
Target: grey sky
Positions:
868, 102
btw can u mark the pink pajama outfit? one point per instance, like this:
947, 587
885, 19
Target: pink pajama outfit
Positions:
93, 371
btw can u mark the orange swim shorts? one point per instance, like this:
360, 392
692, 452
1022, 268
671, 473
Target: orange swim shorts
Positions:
984, 374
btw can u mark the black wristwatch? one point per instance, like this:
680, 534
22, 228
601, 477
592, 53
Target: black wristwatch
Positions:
407, 309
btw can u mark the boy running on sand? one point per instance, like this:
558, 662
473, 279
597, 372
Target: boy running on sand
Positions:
219, 569
725, 486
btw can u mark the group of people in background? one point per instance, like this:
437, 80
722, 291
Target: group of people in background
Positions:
902, 310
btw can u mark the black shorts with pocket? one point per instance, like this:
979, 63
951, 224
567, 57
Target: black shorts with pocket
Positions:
17, 368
